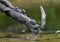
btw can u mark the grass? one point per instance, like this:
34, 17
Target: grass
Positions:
52, 9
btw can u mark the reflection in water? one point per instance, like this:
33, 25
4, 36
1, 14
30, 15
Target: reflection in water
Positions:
35, 36
33, 41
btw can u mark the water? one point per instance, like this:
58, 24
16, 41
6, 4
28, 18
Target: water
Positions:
43, 17
33, 41
35, 38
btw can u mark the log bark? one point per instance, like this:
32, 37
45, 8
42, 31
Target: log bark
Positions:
8, 4
19, 16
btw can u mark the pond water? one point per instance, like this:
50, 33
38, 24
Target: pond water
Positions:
40, 38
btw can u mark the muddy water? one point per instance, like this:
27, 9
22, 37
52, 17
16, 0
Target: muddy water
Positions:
22, 38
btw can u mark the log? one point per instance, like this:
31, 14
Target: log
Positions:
8, 4
19, 16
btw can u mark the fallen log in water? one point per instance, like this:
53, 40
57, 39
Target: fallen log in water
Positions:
20, 16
